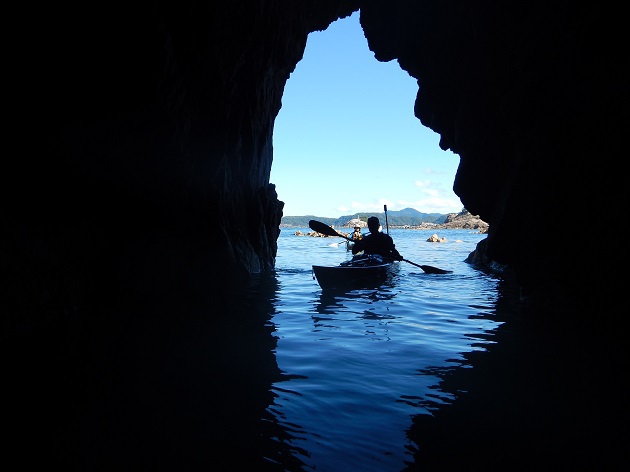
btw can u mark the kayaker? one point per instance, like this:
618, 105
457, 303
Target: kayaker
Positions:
377, 242
357, 233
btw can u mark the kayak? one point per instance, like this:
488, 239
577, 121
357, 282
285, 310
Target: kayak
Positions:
322, 228
363, 271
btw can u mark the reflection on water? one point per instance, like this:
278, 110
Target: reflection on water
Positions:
332, 300
176, 383
542, 395
430, 372
433, 372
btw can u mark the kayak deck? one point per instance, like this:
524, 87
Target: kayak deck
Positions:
360, 272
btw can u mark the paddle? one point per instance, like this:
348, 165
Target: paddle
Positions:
328, 231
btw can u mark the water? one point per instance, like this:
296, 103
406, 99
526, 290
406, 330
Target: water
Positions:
429, 372
361, 360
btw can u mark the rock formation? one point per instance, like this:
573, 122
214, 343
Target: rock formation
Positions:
141, 138
137, 163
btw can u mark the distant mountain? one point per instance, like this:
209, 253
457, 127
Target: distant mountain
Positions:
405, 217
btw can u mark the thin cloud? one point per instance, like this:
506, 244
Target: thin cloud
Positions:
370, 207
432, 204
427, 187
433, 171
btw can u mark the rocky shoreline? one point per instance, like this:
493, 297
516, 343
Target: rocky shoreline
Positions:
461, 220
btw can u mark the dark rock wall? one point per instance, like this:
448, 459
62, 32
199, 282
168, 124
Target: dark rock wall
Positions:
140, 136
532, 97
142, 145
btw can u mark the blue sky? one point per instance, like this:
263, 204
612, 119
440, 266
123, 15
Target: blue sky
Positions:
346, 139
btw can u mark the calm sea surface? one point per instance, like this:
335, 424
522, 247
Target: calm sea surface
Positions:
424, 372
360, 363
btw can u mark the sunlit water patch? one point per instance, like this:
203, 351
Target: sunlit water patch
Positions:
360, 361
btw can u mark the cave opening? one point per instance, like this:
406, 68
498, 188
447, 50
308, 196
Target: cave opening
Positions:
346, 139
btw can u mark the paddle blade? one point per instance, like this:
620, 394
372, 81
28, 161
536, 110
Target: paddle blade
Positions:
429, 269
323, 228
434, 270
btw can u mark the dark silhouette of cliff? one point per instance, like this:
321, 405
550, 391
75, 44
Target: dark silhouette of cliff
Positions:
139, 146
155, 142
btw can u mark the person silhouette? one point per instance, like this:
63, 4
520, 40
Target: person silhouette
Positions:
377, 242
